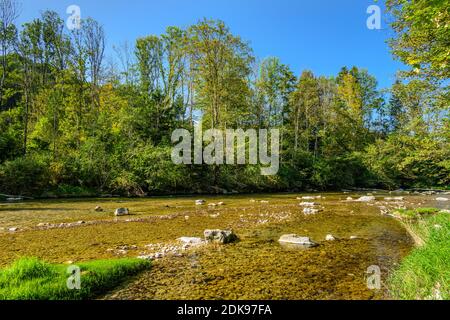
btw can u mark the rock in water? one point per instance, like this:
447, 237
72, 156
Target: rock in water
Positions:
200, 202
442, 199
220, 236
366, 199
294, 239
121, 212
98, 209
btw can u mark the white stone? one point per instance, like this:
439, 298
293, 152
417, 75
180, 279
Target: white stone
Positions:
200, 202
330, 237
442, 199
366, 199
297, 240
308, 211
121, 212
308, 204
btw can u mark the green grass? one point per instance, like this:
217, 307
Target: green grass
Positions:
415, 213
425, 273
32, 279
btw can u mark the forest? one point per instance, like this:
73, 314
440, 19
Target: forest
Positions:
74, 122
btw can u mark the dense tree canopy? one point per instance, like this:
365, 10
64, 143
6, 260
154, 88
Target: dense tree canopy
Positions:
72, 122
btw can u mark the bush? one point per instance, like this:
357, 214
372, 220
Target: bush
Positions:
24, 176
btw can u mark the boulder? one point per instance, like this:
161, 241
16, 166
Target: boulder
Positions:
14, 229
220, 236
200, 202
98, 209
294, 239
121, 212
366, 199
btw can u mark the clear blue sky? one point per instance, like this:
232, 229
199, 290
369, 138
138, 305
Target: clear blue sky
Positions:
320, 35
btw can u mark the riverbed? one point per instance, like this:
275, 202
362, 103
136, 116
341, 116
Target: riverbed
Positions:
255, 267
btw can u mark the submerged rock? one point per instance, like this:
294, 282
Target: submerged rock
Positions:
294, 239
220, 236
121, 212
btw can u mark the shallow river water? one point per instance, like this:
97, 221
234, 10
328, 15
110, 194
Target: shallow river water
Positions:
256, 267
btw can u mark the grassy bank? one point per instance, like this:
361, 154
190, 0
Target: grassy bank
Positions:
32, 279
425, 273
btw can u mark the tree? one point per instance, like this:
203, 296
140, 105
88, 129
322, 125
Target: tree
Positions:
9, 12
422, 36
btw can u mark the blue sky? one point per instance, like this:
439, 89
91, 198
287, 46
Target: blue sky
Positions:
320, 35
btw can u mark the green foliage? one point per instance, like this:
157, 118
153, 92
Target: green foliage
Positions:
24, 176
70, 126
32, 279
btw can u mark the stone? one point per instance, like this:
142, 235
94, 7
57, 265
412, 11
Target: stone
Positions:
353, 237
220, 236
349, 199
145, 257
200, 202
366, 199
13, 229
308, 204
394, 199
98, 209
308, 198
297, 240
220, 203
121, 212
442, 199
330, 237
308, 211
